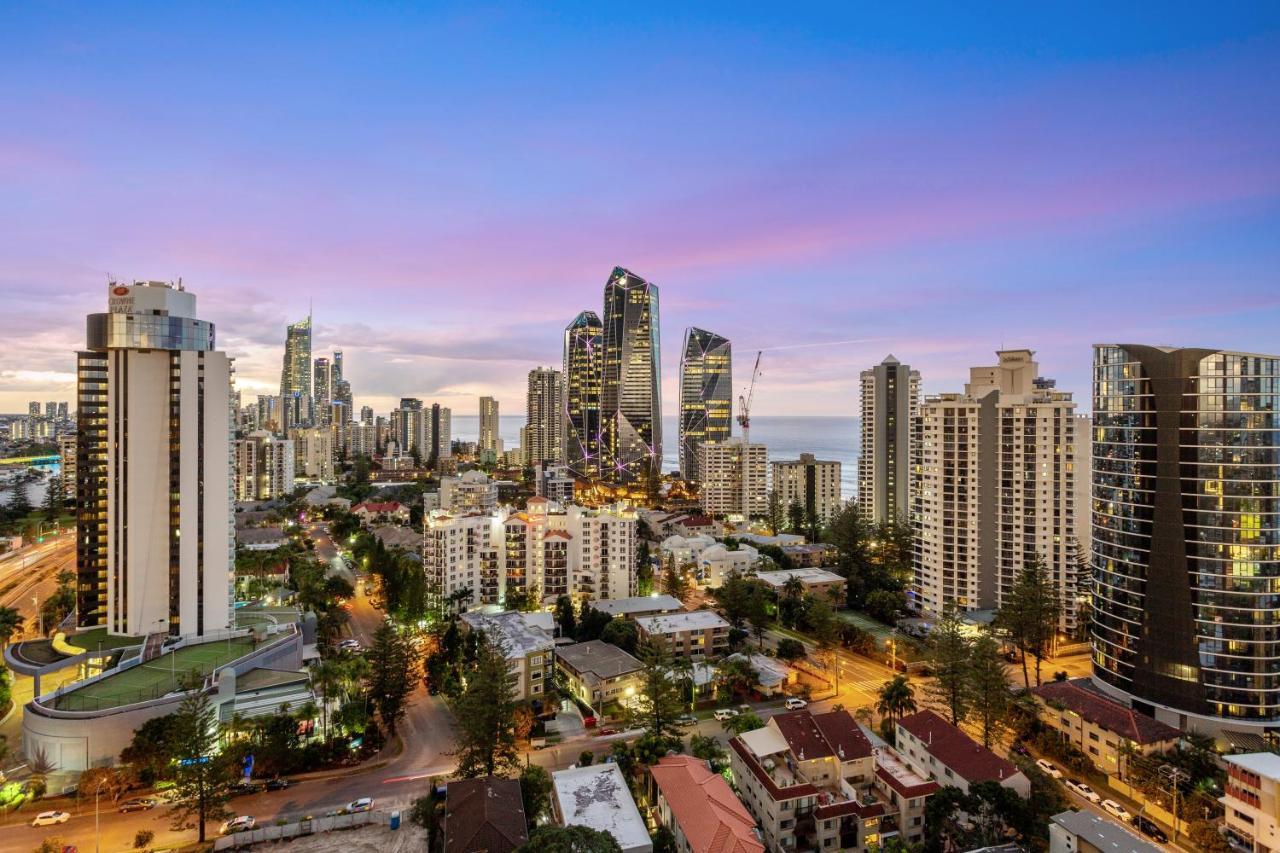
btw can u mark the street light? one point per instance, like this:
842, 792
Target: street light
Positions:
1176, 777
97, 824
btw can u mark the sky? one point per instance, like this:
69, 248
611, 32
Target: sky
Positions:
446, 186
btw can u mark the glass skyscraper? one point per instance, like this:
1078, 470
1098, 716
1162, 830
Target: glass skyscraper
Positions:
706, 395
295, 376
1186, 533
583, 360
631, 398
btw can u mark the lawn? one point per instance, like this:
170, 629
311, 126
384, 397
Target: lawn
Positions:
92, 639
879, 630
162, 675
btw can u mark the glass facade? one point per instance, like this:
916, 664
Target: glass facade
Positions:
583, 359
706, 395
1186, 528
631, 396
295, 376
148, 331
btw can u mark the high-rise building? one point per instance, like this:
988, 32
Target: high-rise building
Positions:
50, 409
362, 440
472, 491
265, 467
67, 465
540, 439
409, 428
706, 395
631, 380
62, 410
270, 414
33, 409
366, 415
154, 536
812, 484
1186, 534
295, 376
322, 391
890, 403
734, 477
440, 435
314, 454
996, 489
489, 442
583, 362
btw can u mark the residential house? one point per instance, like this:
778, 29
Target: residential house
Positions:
938, 750
598, 672
529, 648
597, 797
486, 814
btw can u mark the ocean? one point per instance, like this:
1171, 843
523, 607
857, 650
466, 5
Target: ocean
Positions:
786, 437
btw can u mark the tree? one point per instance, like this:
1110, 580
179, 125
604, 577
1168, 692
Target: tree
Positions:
486, 713
591, 623
795, 518
11, 622
621, 633
143, 838
707, 748
1030, 614
885, 604
40, 767
644, 569
735, 676
949, 653
789, 649
56, 607
758, 605
535, 790
153, 749
664, 840
53, 498
897, 698
988, 687
674, 582
658, 703
523, 722
569, 839
747, 722
106, 782
565, 617
391, 676
775, 515
585, 758
203, 776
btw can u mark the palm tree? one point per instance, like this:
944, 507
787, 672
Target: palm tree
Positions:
897, 698
683, 667
10, 623
793, 588
40, 767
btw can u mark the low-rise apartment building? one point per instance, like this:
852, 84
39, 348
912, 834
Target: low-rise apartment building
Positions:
598, 672
937, 750
530, 649
698, 633
596, 796
1098, 725
820, 582
638, 605
700, 808
1252, 801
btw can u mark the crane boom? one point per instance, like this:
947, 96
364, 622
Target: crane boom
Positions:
744, 420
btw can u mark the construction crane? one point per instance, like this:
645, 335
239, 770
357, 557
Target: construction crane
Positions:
744, 421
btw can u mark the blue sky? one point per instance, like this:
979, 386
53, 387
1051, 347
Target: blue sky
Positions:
450, 185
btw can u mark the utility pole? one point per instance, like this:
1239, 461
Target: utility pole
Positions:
1176, 777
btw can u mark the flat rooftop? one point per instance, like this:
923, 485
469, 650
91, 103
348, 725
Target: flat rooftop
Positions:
602, 659
806, 576
671, 623
520, 637
597, 797
637, 604
155, 678
1103, 833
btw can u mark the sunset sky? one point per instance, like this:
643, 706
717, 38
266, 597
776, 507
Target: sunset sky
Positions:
450, 187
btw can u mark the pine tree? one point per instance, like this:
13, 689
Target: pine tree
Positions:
988, 687
950, 657
392, 676
659, 702
486, 713
1029, 616
203, 776
775, 513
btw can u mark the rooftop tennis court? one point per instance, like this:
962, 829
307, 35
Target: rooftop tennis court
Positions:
155, 678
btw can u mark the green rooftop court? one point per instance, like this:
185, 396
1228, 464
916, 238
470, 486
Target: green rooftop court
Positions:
93, 639
155, 678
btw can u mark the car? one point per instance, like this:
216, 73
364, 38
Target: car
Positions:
50, 818
604, 732
240, 789
137, 804
278, 784
723, 714
795, 703
363, 804
1047, 767
1116, 810
686, 720
1020, 749
1083, 789
589, 722
1148, 827
350, 644
239, 823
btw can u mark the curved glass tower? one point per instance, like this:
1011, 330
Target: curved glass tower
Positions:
631, 395
583, 357
706, 395
1186, 532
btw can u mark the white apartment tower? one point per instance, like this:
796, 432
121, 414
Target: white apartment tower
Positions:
265, 467
489, 437
996, 487
540, 440
890, 404
155, 542
314, 453
813, 484
734, 477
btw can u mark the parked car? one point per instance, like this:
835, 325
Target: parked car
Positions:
589, 722
50, 818
795, 703
604, 732
239, 823
1020, 749
1047, 767
686, 720
137, 804
363, 804
1084, 790
723, 714
1116, 810
1148, 827
240, 789
278, 784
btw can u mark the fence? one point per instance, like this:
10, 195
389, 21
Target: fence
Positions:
299, 829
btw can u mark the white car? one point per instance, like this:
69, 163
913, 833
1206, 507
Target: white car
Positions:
1048, 768
363, 804
725, 714
240, 823
795, 703
1083, 789
1116, 810
50, 818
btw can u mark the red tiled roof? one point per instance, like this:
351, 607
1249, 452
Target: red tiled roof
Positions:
843, 734
803, 735
1107, 713
906, 790
389, 506
710, 816
971, 761
848, 807
697, 521
775, 792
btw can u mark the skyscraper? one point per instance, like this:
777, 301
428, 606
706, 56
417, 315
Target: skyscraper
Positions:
706, 395
583, 362
631, 381
154, 534
1186, 534
440, 435
540, 438
734, 477
409, 428
810, 483
322, 390
996, 489
890, 403
489, 441
295, 377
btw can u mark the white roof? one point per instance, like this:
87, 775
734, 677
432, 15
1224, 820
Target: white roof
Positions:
1263, 763
597, 797
770, 672
781, 576
670, 623
764, 742
637, 604
521, 637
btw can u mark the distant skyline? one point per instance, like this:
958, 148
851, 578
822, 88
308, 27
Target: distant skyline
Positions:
450, 188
